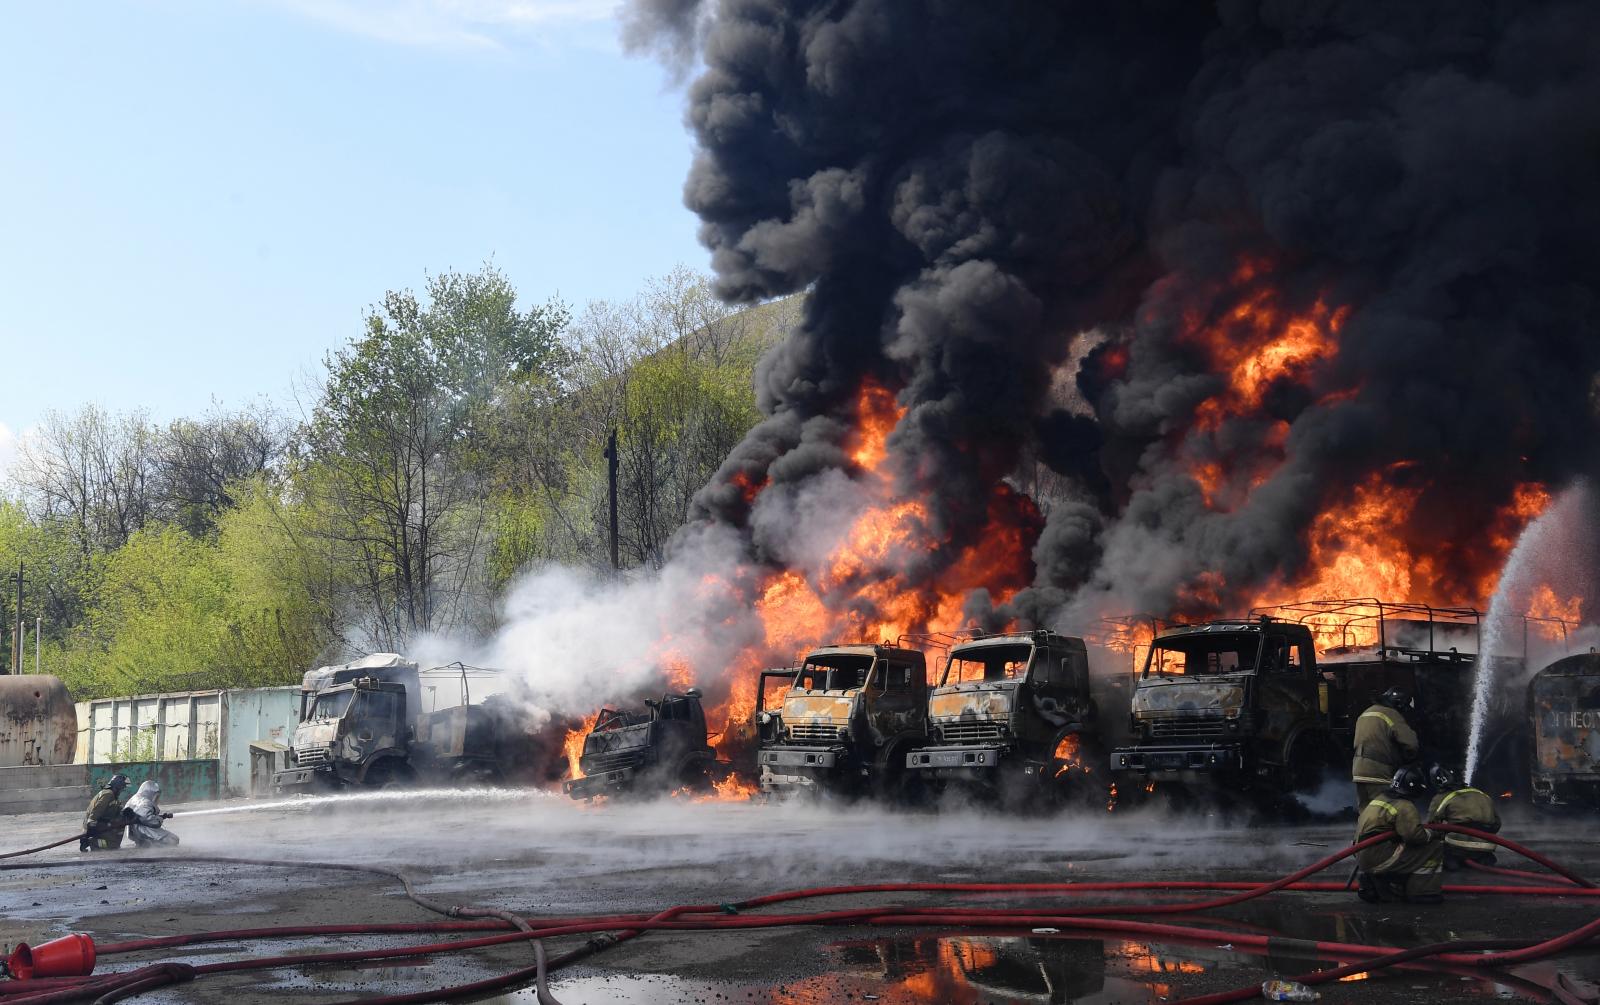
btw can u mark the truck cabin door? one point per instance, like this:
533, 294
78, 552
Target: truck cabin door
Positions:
1050, 678
374, 717
1288, 694
892, 699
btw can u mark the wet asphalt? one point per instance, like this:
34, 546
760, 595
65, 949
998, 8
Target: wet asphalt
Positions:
539, 854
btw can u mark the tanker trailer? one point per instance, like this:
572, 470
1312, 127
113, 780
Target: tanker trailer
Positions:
38, 723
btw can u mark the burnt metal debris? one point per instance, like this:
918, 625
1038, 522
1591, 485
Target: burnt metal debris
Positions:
658, 749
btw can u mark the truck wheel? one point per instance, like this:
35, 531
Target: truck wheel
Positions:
690, 772
388, 775
892, 783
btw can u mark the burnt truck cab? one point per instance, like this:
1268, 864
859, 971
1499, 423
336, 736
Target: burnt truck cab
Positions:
1226, 699
1012, 703
353, 733
846, 721
663, 746
1564, 707
1250, 704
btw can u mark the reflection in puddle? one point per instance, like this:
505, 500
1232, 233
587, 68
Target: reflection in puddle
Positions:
1002, 970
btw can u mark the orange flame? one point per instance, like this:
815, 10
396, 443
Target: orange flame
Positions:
572, 746
863, 590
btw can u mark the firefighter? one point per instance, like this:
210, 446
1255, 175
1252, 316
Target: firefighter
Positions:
102, 823
1463, 806
144, 817
1384, 743
1409, 866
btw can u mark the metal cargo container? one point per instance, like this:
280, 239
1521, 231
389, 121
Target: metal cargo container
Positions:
189, 726
38, 724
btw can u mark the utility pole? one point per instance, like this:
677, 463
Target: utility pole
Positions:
16, 635
611, 466
38, 626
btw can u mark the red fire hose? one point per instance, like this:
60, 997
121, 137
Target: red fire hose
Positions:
113, 987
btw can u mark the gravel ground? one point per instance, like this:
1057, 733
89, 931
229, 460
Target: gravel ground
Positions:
539, 854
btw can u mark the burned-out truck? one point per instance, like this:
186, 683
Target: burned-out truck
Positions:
661, 748
1564, 706
361, 724
1251, 704
846, 722
1011, 711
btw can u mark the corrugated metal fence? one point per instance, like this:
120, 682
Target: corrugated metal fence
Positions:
188, 726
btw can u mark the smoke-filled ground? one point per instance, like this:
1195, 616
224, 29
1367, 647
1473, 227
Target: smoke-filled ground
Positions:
538, 854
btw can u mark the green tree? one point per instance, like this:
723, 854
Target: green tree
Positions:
392, 455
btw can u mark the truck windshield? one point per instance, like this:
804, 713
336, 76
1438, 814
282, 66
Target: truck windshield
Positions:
834, 672
1202, 655
331, 706
988, 663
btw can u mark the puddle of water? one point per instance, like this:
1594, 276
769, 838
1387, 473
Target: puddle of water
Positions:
1002, 970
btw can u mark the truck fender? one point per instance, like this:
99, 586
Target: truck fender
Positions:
384, 766
1307, 740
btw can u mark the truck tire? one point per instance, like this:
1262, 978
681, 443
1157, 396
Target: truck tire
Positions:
389, 774
690, 773
892, 782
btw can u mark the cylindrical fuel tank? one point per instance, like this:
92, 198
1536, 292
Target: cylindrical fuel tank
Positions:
38, 724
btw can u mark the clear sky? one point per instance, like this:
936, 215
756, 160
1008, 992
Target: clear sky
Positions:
198, 198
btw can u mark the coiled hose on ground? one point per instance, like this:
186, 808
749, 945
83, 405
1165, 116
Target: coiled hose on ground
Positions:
611, 930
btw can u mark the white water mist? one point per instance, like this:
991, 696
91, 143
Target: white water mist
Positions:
1549, 552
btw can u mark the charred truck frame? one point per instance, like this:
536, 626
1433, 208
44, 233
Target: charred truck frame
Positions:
1564, 708
846, 722
1250, 704
361, 724
1008, 707
662, 747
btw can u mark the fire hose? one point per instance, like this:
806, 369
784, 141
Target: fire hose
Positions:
717, 917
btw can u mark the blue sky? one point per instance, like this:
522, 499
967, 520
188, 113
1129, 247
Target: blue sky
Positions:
198, 198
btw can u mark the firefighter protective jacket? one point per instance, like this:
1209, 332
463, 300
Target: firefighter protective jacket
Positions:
1389, 812
1465, 807
105, 812
1384, 741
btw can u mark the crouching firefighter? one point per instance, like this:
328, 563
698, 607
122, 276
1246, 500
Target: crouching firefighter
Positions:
1463, 806
1384, 743
144, 817
102, 823
1409, 867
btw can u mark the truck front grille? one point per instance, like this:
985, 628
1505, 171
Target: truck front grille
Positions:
596, 764
1187, 729
968, 732
311, 757
810, 732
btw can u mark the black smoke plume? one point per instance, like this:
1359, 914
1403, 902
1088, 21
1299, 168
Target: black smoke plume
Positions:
969, 191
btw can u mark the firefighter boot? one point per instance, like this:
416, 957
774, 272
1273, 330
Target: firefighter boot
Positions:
1367, 888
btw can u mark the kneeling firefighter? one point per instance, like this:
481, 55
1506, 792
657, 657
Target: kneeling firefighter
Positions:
1409, 867
1463, 806
144, 817
102, 823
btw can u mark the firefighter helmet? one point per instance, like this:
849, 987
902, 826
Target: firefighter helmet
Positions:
1409, 782
1395, 697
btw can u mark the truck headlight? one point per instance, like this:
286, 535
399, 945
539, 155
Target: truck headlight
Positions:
844, 733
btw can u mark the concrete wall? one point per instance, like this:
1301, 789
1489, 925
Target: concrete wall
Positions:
50, 789
180, 781
188, 726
